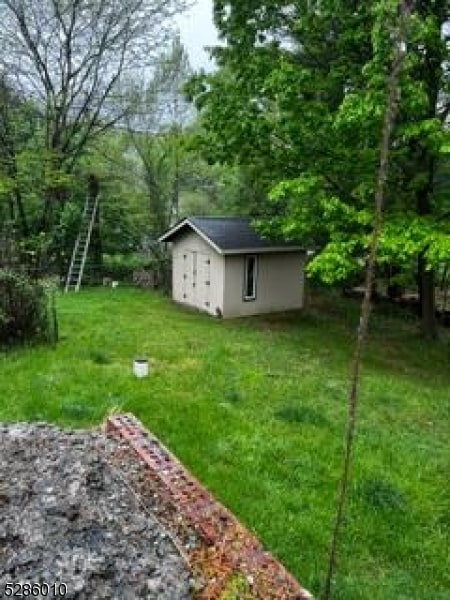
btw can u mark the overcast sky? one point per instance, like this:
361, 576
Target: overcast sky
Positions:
197, 30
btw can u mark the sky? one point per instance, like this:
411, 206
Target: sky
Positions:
197, 30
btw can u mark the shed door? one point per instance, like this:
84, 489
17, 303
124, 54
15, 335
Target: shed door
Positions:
178, 278
204, 281
196, 279
190, 277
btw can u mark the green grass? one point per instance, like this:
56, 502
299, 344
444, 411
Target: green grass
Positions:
256, 409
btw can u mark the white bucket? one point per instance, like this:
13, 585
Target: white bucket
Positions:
140, 367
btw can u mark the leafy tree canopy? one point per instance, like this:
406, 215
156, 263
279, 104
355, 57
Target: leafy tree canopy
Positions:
299, 98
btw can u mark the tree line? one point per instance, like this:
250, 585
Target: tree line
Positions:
285, 130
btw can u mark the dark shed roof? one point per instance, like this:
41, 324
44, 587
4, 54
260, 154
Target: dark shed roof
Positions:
229, 235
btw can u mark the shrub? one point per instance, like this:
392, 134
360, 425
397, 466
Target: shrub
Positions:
122, 266
24, 311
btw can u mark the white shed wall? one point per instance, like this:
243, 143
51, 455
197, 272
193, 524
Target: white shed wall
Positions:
190, 256
279, 284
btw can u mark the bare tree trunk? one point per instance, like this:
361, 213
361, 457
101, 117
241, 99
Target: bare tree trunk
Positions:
176, 181
427, 299
21, 212
425, 277
47, 215
12, 212
427, 162
444, 288
96, 239
388, 125
97, 248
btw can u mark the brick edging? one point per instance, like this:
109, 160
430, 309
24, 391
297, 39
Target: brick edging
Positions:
232, 549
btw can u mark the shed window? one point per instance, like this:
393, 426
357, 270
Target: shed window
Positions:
250, 276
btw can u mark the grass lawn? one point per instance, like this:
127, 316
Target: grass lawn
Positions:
256, 409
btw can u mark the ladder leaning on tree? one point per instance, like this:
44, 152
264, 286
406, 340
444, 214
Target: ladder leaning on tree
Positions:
80, 250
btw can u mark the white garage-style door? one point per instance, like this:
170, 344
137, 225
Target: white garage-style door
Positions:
193, 268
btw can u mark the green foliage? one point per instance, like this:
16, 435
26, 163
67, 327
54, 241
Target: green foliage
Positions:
299, 101
237, 588
210, 188
24, 314
124, 207
120, 267
408, 235
149, 175
67, 228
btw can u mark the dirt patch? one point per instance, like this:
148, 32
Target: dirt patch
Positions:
68, 517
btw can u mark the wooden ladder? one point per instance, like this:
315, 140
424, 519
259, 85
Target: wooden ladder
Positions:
80, 250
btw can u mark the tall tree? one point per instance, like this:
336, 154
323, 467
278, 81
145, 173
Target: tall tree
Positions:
398, 25
69, 56
155, 128
299, 100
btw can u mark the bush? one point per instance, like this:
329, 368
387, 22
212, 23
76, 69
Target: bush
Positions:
24, 313
122, 266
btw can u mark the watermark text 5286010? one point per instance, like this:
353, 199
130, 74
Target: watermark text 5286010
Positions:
34, 590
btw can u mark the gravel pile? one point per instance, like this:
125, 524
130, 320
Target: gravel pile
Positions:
67, 516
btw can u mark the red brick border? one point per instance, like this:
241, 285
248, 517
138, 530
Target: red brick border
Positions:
228, 548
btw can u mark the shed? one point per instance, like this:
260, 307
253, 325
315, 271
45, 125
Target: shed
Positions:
221, 265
